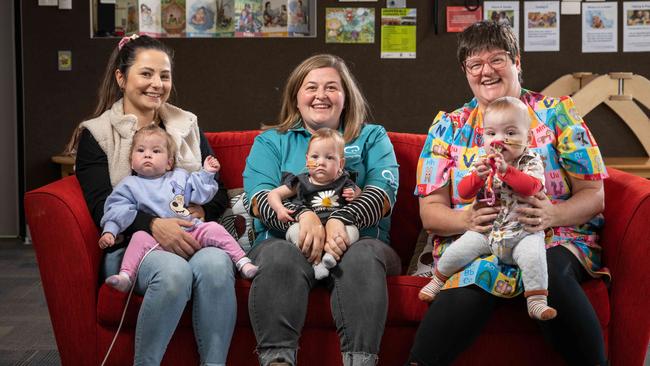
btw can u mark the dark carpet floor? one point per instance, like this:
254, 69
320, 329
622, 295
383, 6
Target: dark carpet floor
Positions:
26, 336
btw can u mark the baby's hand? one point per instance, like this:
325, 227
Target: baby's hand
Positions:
351, 193
284, 214
483, 168
211, 164
500, 163
106, 240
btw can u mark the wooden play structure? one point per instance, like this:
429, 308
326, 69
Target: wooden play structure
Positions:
618, 91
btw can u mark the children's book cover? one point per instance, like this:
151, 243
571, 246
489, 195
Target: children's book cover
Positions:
120, 17
131, 17
225, 25
149, 15
349, 25
298, 22
201, 18
274, 18
248, 18
173, 17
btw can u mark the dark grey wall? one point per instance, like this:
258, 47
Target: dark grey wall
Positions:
234, 84
8, 124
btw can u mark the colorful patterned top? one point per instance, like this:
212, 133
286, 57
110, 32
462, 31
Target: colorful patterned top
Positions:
559, 136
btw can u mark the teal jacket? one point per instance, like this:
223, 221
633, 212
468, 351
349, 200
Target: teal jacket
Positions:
370, 156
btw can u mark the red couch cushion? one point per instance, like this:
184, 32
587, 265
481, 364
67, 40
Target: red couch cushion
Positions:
404, 308
231, 148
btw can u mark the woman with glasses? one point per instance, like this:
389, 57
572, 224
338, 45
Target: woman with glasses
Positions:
489, 56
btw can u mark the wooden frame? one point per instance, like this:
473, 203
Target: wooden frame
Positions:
618, 91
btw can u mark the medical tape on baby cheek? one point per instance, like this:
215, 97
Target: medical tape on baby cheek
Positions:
311, 163
513, 142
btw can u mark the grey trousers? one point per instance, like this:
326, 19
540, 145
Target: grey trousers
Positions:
278, 298
528, 252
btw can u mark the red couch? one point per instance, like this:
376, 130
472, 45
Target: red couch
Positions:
85, 313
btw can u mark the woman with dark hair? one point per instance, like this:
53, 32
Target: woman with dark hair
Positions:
489, 56
133, 94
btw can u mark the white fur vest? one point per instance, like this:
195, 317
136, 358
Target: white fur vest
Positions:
114, 131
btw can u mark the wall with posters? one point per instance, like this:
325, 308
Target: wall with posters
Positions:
234, 84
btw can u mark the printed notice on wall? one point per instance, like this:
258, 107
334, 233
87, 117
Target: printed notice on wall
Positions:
503, 12
636, 26
599, 27
542, 30
459, 18
398, 32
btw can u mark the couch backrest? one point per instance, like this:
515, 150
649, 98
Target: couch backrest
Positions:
232, 149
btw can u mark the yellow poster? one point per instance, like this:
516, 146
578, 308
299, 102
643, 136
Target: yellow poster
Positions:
398, 32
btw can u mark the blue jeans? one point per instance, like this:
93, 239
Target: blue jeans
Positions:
168, 282
278, 299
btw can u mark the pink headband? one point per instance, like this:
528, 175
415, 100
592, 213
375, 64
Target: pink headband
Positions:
126, 40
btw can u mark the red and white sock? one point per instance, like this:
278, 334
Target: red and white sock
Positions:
538, 309
429, 292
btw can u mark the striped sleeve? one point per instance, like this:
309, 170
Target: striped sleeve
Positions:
268, 216
366, 210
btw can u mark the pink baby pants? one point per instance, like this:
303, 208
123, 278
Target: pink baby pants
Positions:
208, 234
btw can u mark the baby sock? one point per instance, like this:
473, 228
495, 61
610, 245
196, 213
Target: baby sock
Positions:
247, 269
429, 292
121, 282
537, 308
328, 260
320, 270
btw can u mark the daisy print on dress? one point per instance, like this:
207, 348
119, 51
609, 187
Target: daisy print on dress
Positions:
324, 200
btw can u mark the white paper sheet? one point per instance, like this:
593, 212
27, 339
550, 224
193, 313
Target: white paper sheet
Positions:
636, 26
542, 29
599, 27
503, 12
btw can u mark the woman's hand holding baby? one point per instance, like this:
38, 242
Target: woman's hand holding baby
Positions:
170, 235
337, 240
312, 235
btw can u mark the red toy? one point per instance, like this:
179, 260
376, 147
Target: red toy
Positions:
490, 198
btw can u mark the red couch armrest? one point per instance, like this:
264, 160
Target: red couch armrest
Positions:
65, 241
626, 245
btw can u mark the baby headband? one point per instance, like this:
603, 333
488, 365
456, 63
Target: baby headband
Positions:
126, 40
